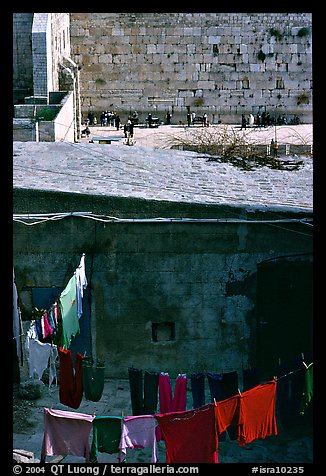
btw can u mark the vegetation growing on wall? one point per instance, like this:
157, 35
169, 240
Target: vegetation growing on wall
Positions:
303, 32
261, 56
276, 33
302, 98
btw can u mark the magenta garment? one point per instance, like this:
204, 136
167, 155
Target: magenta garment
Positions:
47, 328
138, 432
66, 433
167, 403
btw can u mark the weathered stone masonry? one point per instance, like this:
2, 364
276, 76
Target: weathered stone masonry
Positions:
222, 63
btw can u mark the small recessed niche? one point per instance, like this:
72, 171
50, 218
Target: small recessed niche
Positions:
163, 331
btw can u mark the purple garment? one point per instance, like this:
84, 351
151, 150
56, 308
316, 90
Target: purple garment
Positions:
66, 433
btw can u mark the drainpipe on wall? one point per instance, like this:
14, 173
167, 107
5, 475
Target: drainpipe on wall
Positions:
76, 69
37, 131
71, 74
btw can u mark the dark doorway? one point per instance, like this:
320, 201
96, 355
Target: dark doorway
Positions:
284, 313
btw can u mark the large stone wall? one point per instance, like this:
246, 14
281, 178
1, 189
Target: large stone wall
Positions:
222, 63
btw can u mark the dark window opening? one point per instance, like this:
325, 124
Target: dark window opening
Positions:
163, 331
215, 50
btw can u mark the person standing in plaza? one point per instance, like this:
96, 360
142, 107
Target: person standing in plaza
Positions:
274, 147
131, 128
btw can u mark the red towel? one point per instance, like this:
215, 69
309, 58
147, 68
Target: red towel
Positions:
71, 381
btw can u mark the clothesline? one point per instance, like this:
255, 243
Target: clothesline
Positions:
196, 445
206, 407
294, 371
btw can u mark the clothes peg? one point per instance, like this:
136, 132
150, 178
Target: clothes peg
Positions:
215, 402
239, 392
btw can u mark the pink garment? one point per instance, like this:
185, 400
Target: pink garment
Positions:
138, 432
179, 401
167, 403
47, 328
66, 433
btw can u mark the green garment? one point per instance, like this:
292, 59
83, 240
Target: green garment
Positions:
93, 379
106, 436
308, 389
68, 308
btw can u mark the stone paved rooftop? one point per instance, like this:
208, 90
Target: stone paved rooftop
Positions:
157, 174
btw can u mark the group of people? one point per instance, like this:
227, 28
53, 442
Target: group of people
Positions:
191, 119
260, 120
264, 119
110, 118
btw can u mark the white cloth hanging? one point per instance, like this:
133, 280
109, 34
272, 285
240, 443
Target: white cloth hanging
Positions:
81, 283
40, 355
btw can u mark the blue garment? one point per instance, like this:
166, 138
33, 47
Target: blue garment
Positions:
198, 389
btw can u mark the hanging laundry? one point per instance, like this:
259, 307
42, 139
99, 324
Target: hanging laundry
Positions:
229, 388
215, 385
222, 386
38, 328
56, 312
41, 355
150, 392
66, 433
138, 432
136, 390
68, 308
307, 393
93, 378
106, 436
227, 413
81, 284
179, 400
257, 413
168, 403
47, 328
289, 393
71, 383
143, 391
198, 389
189, 436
